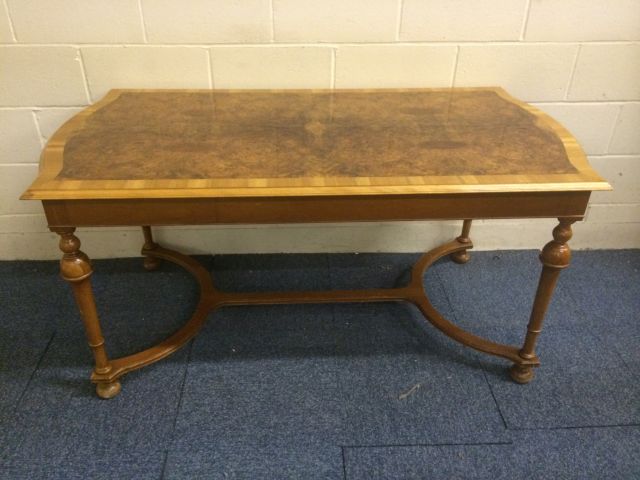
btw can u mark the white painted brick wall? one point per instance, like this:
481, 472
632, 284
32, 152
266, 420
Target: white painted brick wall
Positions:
537, 72
263, 67
144, 66
76, 21
207, 21
390, 66
607, 72
579, 60
6, 35
583, 20
41, 75
461, 20
626, 136
335, 20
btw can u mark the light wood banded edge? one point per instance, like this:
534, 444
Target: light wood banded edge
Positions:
46, 186
307, 192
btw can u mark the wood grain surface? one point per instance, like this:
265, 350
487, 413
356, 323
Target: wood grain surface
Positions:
195, 143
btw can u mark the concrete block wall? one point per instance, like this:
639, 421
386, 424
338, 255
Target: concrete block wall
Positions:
579, 60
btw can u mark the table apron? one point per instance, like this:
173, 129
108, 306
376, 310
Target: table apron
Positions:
256, 210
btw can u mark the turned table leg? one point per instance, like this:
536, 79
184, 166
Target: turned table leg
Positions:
554, 257
75, 268
150, 263
462, 256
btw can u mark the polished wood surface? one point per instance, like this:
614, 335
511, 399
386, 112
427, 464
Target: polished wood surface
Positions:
75, 268
462, 256
194, 144
371, 208
555, 256
211, 299
231, 135
149, 158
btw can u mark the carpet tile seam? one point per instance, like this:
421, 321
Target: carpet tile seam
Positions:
443, 444
477, 360
171, 438
33, 373
575, 427
595, 332
495, 400
165, 454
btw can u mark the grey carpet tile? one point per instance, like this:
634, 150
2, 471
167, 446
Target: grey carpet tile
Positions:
270, 272
276, 385
403, 381
60, 415
262, 402
606, 288
383, 329
137, 308
577, 368
617, 268
416, 398
596, 396
247, 462
575, 454
267, 331
31, 297
20, 355
490, 302
370, 270
401, 326
75, 462
370, 329
275, 390
624, 340
31, 301
488, 292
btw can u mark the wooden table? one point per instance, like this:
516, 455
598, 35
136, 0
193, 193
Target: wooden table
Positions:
193, 157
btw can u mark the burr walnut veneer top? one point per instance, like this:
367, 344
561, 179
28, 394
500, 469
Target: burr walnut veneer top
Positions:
221, 143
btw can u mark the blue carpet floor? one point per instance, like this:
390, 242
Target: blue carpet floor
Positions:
351, 391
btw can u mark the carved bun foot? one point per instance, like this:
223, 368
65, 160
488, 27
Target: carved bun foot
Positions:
108, 390
521, 374
460, 257
151, 263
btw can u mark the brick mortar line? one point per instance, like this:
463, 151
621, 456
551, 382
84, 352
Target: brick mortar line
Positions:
210, 68
617, 204
330, 44
607, 155
143, 25
85, 79
34, 114
30, 164
525, 20
332, 68
399, 20
454, 74
574, 67
41, 107
11, 27
612, 133
272, 21
583, 102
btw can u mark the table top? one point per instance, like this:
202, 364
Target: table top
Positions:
257, 143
